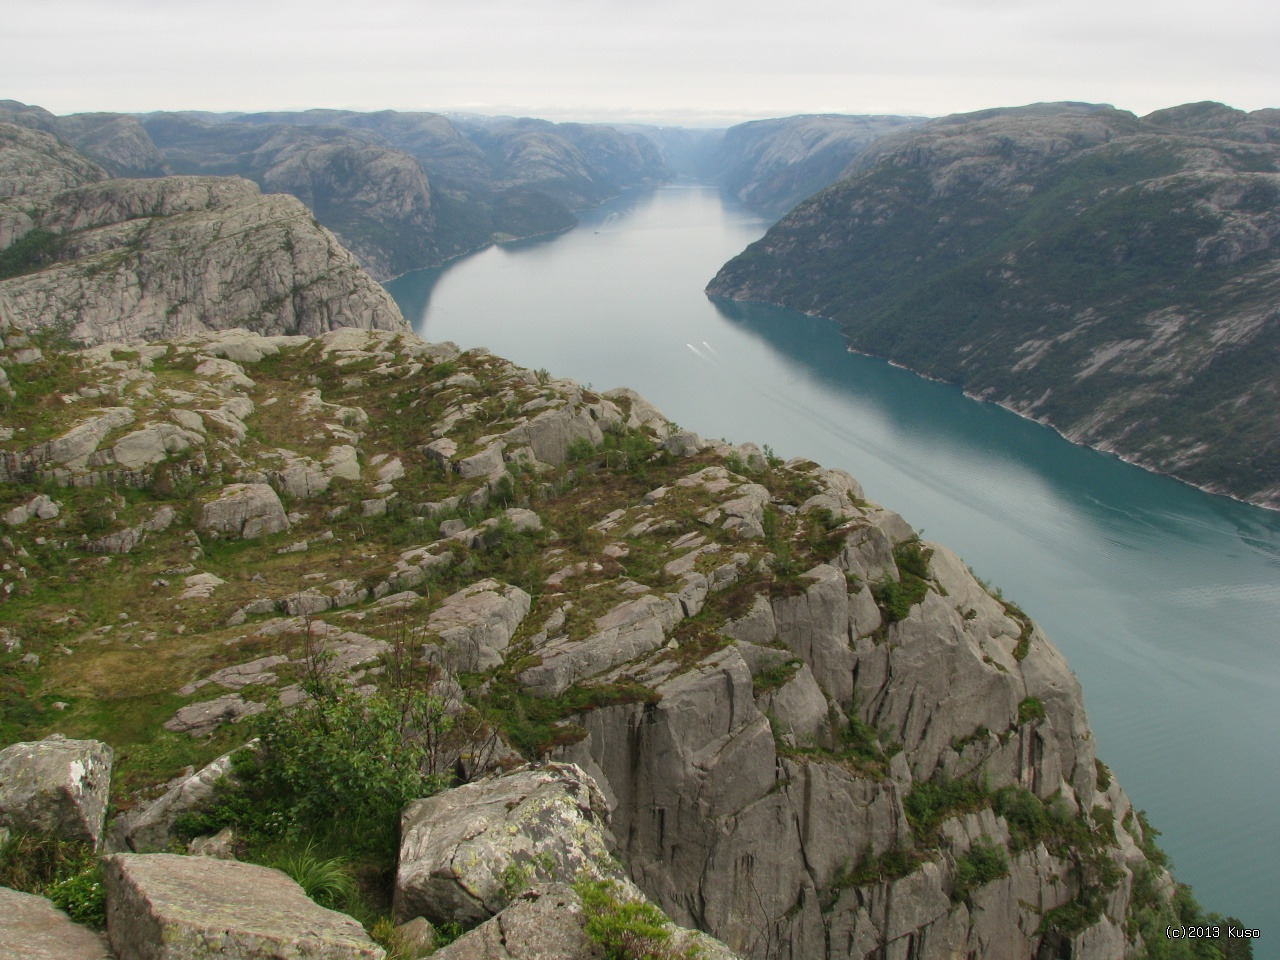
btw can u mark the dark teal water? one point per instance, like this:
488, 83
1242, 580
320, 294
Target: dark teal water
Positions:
1165, 600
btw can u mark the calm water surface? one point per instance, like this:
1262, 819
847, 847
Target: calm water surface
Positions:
1166, 601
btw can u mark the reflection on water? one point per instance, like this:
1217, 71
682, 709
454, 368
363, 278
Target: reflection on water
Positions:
1165, 600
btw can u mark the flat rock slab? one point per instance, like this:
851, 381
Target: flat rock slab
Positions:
56, 787
166, 907
34, 929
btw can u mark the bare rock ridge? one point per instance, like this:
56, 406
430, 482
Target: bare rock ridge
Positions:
99, 260
1110, 275
796, 726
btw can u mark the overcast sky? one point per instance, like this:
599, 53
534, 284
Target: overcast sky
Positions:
692, 62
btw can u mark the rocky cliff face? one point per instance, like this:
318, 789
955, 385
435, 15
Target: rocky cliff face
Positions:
1111, 275
102, 260
366, 174
771, 165
815, 735
376, 198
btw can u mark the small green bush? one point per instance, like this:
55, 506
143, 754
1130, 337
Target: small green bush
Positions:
1030, 709
896, 597
983, 863
627, 929
340, 756
929, 803
82, 896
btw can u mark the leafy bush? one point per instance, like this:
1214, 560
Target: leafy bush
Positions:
928, 804
896, 597
983, 863
339, 756
35, 250
82, 896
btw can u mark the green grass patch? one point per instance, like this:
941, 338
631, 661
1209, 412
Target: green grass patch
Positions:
66, 871
1030, 709
984, 863
535, 725
627, 929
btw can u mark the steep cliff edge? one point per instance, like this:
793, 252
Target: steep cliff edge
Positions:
1113, 276
819, 736
100, 260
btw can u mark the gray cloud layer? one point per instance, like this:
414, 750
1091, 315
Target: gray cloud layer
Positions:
691, 61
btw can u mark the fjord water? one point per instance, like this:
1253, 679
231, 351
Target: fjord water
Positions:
1165, 600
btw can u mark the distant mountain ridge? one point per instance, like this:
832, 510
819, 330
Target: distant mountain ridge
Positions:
1114, 276
402, 190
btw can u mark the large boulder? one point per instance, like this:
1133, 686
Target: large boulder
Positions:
544, 923
549, 922
166, 907
57, 787
34, 929
151, 828
243, 510
466, 852
476, 623
551, 433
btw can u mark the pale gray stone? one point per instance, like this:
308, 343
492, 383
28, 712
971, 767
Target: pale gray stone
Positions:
552, 432
34, 929
483, 464
166, 907
342, 463
151, 828
684, 444
390, 471
476, 624
302, 479
799, 709
246, 510
39, 507
199, 719
461, 849
152, 444
441, 451
220, 846
57, 787
417, 938
630, 630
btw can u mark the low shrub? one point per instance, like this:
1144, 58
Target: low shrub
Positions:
627, 929
983, 863
1030, 709
340, 756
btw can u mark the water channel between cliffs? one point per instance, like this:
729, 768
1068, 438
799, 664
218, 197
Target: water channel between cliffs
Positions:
1165, 600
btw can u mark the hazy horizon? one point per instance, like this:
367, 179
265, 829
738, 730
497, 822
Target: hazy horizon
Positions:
710, 63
